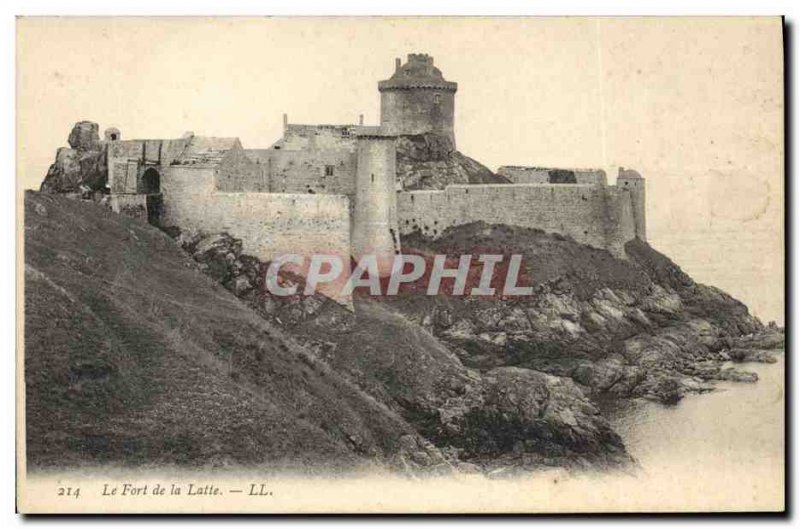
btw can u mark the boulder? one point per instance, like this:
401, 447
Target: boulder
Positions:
751, 355
81, 168
734, 375
84, 136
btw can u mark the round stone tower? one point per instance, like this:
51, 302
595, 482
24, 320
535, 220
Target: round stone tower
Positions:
633, 182
417, 99
374, 230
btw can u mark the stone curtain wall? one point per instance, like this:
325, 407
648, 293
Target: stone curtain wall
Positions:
275, 224
599, 216
269, 224
541, 175
186, 191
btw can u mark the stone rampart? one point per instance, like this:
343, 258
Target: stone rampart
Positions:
599, 216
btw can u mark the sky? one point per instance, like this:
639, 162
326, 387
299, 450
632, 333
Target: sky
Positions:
694, 104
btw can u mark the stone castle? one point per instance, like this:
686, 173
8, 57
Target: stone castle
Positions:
336, 188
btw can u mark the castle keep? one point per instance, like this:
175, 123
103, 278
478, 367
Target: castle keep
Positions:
417, 99
335, 189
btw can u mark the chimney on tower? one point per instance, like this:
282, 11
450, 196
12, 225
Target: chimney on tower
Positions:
285, 121
361, 119
397, 64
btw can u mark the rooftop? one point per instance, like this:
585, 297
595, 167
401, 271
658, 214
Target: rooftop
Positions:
206, 150
417, 72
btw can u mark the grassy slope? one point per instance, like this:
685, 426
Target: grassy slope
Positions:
132, 355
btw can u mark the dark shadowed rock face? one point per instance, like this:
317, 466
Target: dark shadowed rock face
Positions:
80, 168
430, 161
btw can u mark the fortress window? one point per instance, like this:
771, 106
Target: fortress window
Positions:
437, 98
328, 170
372, 177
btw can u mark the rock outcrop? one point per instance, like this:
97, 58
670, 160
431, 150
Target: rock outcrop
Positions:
430, 161
81, 167
627, 328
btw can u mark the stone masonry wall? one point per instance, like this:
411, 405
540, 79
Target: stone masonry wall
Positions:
126, 160
418, 112
324, 171
134, 205
598, 216
238, 172
544, 175
317, 137
269, 224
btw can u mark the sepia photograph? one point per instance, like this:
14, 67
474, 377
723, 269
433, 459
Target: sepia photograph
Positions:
400, 265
